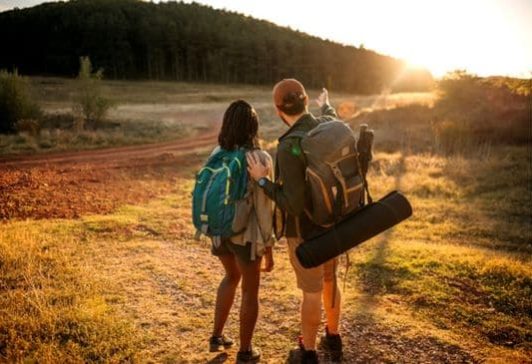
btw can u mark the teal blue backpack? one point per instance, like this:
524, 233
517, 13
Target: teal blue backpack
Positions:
219, 185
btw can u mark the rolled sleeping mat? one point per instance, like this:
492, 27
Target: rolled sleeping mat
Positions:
366, 223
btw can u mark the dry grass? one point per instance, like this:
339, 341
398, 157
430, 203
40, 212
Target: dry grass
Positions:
451, 284
134, 284
463, 262
51, 306
122, 134
151, 111
55, 92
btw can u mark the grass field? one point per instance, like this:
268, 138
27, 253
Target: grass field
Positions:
452, 284
149, 112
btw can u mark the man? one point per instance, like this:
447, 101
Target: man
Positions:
288, 192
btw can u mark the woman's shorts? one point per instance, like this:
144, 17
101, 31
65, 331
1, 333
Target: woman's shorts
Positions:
242, 252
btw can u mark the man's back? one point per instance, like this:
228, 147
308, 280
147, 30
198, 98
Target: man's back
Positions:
290, 173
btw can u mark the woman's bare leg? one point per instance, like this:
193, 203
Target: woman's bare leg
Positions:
226, 293
249, 309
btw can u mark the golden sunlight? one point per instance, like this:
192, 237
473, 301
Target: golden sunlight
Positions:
486, 37
481, 40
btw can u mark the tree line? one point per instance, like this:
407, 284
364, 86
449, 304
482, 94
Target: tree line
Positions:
132, 39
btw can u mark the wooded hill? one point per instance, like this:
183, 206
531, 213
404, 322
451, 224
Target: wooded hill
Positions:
132, 39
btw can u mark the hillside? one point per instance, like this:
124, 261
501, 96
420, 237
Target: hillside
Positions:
132, 39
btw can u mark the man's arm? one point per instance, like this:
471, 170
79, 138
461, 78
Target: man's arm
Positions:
328, 110
263, 203
325, 106
290, 196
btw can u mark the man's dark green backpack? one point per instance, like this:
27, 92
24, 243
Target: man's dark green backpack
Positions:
336, 167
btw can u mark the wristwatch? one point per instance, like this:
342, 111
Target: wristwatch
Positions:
262, 181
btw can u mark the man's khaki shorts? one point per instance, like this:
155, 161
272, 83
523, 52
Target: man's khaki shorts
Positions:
310, 280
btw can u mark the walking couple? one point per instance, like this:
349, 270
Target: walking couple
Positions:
241, 255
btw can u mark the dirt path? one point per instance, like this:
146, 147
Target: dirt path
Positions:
70, 184
167, 283
113, 157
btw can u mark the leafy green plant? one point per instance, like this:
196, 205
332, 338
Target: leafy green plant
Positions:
89, 101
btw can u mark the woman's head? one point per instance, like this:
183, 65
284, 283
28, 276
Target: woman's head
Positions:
240, 126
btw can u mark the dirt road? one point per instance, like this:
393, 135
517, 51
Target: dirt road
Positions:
66, 185
115, 157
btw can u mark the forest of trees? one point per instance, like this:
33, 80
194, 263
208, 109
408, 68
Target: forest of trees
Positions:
133, 39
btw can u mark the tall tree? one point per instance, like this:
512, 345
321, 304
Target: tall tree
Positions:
187, 42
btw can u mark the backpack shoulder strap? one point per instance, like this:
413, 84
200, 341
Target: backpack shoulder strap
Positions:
300, 134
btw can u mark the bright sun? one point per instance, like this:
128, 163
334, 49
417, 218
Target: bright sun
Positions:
482, 36
445, 36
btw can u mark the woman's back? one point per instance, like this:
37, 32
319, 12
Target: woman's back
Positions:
254, 215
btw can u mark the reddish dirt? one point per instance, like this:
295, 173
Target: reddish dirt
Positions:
67, 185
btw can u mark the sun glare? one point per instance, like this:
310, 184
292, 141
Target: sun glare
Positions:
485, 44
482, 36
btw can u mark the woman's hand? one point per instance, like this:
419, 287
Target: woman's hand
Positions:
323, 99
256, 168
268, 260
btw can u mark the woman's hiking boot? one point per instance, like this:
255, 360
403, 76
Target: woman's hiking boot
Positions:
218, 343
333, 345
249, 356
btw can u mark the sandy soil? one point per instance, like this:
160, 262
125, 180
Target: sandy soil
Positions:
67, 185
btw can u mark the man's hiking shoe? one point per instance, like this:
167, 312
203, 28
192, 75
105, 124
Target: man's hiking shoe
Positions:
217, 343
306, 356
333, 345
250, 356
309, 357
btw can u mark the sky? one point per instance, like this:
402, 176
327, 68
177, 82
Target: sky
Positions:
485, 37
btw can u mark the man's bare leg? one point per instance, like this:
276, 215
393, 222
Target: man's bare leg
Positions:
310, 318
332, 312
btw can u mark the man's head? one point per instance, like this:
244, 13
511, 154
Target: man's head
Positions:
290, 100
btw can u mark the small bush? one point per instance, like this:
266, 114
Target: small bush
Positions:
57, 121
29, 126
90, 102
485, 110
15, 101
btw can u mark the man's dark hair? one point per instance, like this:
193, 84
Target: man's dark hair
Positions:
293, 103
240, 126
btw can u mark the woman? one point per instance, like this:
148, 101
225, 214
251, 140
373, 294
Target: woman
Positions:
241, 255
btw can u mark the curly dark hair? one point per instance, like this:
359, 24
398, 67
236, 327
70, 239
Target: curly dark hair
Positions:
240, 127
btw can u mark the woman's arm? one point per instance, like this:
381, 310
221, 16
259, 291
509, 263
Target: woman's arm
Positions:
263, 204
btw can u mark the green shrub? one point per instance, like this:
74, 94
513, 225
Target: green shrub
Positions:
90, 102
15, 102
